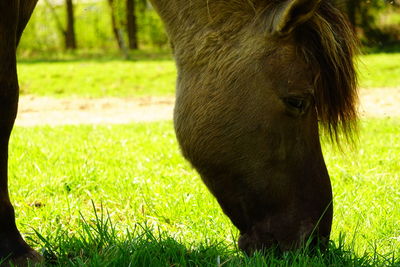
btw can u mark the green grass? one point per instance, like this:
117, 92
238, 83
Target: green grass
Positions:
122, 194
148, 75
151, 209
98, 78
380, 70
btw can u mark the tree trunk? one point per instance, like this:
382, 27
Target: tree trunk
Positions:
70, 40
348, 7
352, 7
114, 25
131, 24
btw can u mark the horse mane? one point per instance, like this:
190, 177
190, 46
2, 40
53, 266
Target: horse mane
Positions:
329, 45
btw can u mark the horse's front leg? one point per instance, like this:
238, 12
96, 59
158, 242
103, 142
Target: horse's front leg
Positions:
12, 246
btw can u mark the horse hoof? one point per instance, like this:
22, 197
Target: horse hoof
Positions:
29, 258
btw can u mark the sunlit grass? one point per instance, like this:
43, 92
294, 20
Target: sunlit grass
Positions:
149, 75
379, 70
162, 215
98, 78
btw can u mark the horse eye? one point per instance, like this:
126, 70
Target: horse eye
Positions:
297, 103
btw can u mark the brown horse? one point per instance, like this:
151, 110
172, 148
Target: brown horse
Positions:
255, 76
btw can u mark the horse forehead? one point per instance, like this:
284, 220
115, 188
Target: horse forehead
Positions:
232, 52
220, 53
288, 70
223, 41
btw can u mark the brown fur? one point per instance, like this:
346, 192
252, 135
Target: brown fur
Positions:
327, 41
242, 66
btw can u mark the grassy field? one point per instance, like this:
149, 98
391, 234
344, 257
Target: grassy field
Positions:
149, 75
144, 75
123, 195
379, 70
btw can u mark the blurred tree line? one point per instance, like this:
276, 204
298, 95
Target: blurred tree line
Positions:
133, 24
377, 22
93, 25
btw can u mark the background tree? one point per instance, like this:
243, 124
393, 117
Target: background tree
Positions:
70, 40
131, 25
360, 12
115, 25
68, 32
366, 18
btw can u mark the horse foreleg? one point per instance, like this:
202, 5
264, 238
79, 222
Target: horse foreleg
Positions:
12, 245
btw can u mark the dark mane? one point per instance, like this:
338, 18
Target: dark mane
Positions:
329, 44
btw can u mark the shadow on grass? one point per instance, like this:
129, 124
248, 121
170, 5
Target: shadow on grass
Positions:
94, 56
97, 243
393, 48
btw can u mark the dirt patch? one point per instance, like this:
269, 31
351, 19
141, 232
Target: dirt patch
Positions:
50, 111
380, 102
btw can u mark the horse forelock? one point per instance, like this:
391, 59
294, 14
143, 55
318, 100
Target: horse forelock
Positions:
329, 44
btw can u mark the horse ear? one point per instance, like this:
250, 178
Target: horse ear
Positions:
292, 13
